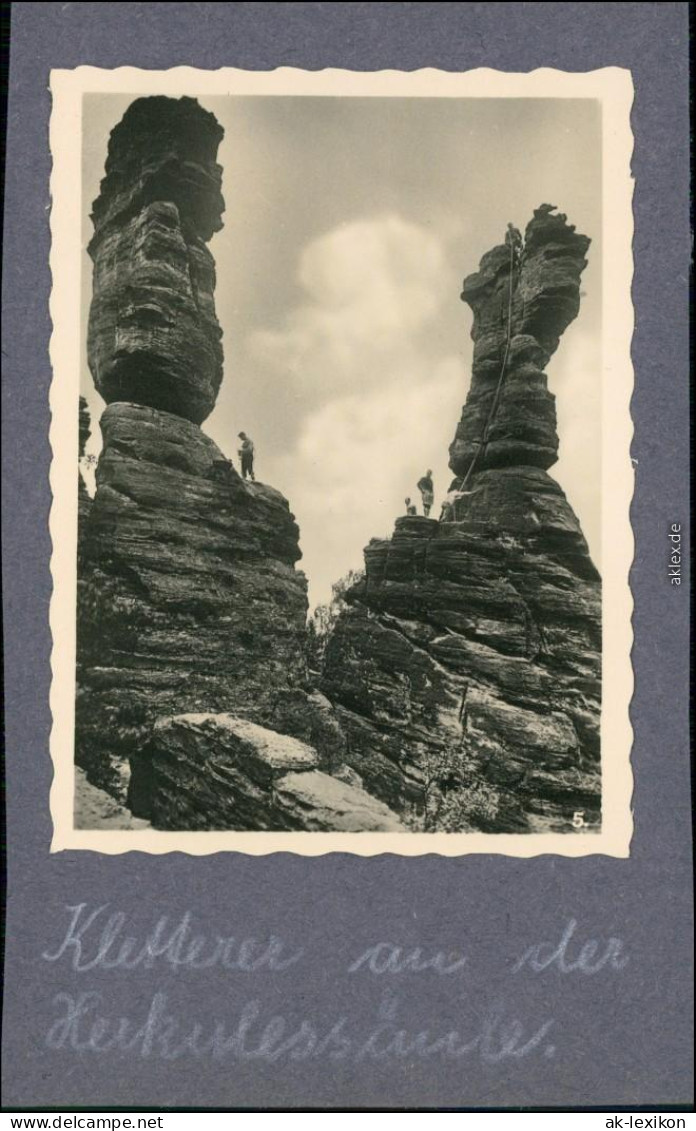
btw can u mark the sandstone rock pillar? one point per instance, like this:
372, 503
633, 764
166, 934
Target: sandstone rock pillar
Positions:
470, 658
189, 599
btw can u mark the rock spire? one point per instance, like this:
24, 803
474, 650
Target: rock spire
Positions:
467, 670
189, 599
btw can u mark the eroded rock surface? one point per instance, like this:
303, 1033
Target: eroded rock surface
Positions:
471, 654
189, 599
536, 296
154, 337
219, 772
96, 809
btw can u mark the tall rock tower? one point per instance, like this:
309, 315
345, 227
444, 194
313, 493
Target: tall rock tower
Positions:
188, 595
467, 670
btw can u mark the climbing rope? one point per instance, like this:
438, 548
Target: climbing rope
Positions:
496, 399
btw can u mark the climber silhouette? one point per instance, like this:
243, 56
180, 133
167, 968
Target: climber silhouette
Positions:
246, 456
425, 486
513, 239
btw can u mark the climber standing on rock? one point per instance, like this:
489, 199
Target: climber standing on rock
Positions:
513, 239
425, 486
246, 456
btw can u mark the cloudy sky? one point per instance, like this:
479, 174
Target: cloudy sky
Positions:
350, 224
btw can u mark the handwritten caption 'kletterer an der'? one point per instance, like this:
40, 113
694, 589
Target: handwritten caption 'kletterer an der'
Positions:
98, 940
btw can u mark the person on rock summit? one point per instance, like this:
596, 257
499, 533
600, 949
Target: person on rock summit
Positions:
246, 456
513, 239
425, 486
410, 508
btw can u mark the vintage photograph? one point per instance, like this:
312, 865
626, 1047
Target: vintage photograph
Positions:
344, 460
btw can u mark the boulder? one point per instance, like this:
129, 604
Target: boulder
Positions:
95, 809
315, 802
216, 771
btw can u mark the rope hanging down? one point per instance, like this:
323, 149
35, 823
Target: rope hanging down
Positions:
496, 399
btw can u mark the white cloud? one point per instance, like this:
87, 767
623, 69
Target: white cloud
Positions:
371, 286
358, 457
383, 389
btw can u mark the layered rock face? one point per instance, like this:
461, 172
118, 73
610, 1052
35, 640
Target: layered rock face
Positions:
521, 305
188, 596
216, 771
154, 338
467, 671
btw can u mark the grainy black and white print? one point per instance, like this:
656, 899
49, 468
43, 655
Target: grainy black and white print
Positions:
339, 543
